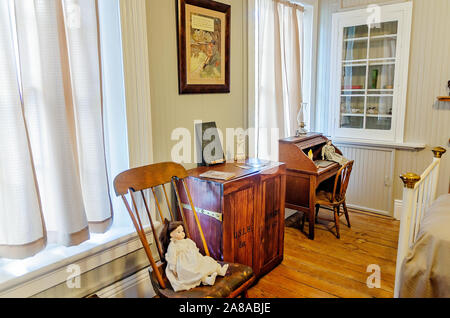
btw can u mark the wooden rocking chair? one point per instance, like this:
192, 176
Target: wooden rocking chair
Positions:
238, 278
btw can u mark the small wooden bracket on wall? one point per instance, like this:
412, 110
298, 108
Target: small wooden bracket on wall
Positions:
445, 98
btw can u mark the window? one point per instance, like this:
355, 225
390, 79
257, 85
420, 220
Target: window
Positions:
49, 139
370, 57
281, 81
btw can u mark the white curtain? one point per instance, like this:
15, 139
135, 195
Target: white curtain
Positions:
53, 177
279, 54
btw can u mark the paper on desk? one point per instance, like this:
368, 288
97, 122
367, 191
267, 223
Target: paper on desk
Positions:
219, 175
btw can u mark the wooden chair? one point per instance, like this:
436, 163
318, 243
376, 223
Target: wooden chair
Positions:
134, 182
333, 201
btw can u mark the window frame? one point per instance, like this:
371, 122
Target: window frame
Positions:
309, 76
48, 268
401, 12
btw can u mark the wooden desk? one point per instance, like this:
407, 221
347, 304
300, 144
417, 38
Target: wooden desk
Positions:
303, 176
243, 218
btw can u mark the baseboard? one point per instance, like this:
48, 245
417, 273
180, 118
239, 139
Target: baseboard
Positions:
366, 209
398, 208
137, 285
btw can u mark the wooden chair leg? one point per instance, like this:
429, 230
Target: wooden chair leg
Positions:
302, 226
244, 294
346, 215
336, 220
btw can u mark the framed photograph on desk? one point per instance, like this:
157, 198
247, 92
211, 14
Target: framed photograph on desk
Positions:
203, 28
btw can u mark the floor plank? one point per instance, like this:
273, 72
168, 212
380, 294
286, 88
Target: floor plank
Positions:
328, 267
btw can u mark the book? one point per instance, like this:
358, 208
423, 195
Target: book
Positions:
219, 175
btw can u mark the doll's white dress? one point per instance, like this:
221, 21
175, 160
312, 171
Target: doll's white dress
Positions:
187, 268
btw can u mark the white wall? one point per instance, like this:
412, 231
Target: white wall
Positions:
171, 110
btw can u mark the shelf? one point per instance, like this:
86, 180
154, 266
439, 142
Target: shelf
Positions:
386, 36
356, 65
378, 116
444, 98
380, 90
376, 37
378, 59
380, 144
352, 115
368, 115
344, 91
382, 63
356, 39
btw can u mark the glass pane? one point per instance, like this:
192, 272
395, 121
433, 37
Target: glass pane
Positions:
359, 31
352, 105
381, 77
379, 123
368, 76
382, 48
355, 50
355, 122
379, 105
386, 28
354, 77
346, 92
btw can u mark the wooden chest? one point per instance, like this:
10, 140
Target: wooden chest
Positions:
243, 218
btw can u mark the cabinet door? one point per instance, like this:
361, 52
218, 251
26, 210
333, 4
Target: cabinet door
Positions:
370, 61
207, 197
239, 224
271, 222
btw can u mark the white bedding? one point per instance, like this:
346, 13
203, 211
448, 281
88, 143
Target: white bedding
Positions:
425, 273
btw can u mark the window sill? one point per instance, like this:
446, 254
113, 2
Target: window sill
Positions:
25, 278
379, 144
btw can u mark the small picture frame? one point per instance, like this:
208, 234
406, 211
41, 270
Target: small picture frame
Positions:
208, 145
203, 31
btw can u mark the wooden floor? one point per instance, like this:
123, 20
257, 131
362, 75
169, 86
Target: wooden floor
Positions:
330, 268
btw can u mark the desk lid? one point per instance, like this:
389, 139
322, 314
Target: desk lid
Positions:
300, 139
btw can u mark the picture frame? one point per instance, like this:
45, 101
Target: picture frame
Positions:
203, 32
208, 144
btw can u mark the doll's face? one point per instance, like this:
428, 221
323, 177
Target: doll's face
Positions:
178, 233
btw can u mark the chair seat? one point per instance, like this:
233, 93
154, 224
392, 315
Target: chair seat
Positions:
324, 198
237, 275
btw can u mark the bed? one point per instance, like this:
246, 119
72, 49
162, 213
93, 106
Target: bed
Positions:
425, 272
423, 256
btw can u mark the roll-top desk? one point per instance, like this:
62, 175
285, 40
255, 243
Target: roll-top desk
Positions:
302, 175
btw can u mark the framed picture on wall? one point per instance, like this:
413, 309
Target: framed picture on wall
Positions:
203, 30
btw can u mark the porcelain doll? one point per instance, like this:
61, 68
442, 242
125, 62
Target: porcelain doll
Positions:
329, 153
186, 267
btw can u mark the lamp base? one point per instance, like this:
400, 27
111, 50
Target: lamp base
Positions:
301, 131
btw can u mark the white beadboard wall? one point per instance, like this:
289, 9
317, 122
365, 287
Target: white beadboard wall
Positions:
427, 121
370, 185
